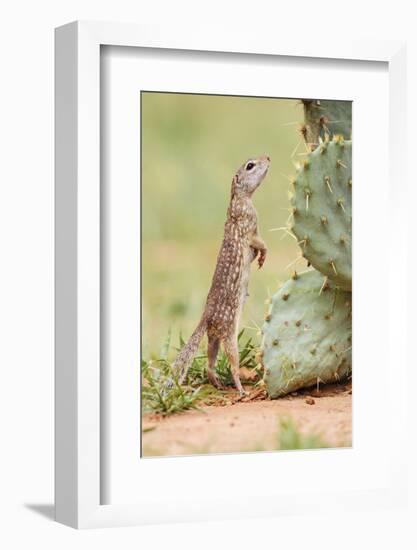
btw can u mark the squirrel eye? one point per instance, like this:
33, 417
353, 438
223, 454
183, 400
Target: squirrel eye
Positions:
249, 166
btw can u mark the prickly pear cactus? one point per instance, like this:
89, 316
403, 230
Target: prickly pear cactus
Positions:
322, 210
326, 118
307, 335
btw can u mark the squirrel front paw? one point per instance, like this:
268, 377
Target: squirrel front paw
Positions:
261, 259
254, 252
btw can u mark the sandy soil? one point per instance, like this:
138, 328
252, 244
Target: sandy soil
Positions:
252, 423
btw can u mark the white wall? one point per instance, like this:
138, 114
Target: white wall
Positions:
26, 256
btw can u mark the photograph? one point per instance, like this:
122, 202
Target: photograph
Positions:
246, 274
178, 312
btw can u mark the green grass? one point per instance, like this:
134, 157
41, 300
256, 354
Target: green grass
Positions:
191, 147
158, 397
247, 351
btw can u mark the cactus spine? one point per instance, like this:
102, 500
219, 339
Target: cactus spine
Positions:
307, 333
322, 201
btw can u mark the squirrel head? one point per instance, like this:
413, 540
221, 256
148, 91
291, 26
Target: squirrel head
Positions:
250, 175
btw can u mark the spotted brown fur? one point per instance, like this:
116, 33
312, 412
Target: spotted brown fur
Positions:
229, 288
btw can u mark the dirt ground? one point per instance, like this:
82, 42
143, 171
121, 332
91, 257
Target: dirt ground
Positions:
251, 423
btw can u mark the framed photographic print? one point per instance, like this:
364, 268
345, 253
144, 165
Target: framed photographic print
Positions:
219, 307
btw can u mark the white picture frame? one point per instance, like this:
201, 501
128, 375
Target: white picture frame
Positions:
78, 406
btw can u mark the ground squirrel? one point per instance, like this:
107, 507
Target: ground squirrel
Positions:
229, 288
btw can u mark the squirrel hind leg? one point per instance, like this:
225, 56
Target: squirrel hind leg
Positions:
212, 351
232, 351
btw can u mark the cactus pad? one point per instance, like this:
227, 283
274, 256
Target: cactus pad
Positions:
322, 210
325, 119
307, 335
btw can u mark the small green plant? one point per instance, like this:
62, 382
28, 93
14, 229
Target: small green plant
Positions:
290, 438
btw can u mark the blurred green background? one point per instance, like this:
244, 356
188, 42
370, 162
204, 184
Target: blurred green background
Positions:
192, 145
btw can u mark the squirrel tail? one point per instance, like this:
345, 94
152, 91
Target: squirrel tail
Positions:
186, 355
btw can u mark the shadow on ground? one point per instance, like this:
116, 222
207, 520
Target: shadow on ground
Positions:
45, 510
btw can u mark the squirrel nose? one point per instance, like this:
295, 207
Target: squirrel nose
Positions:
266, 157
